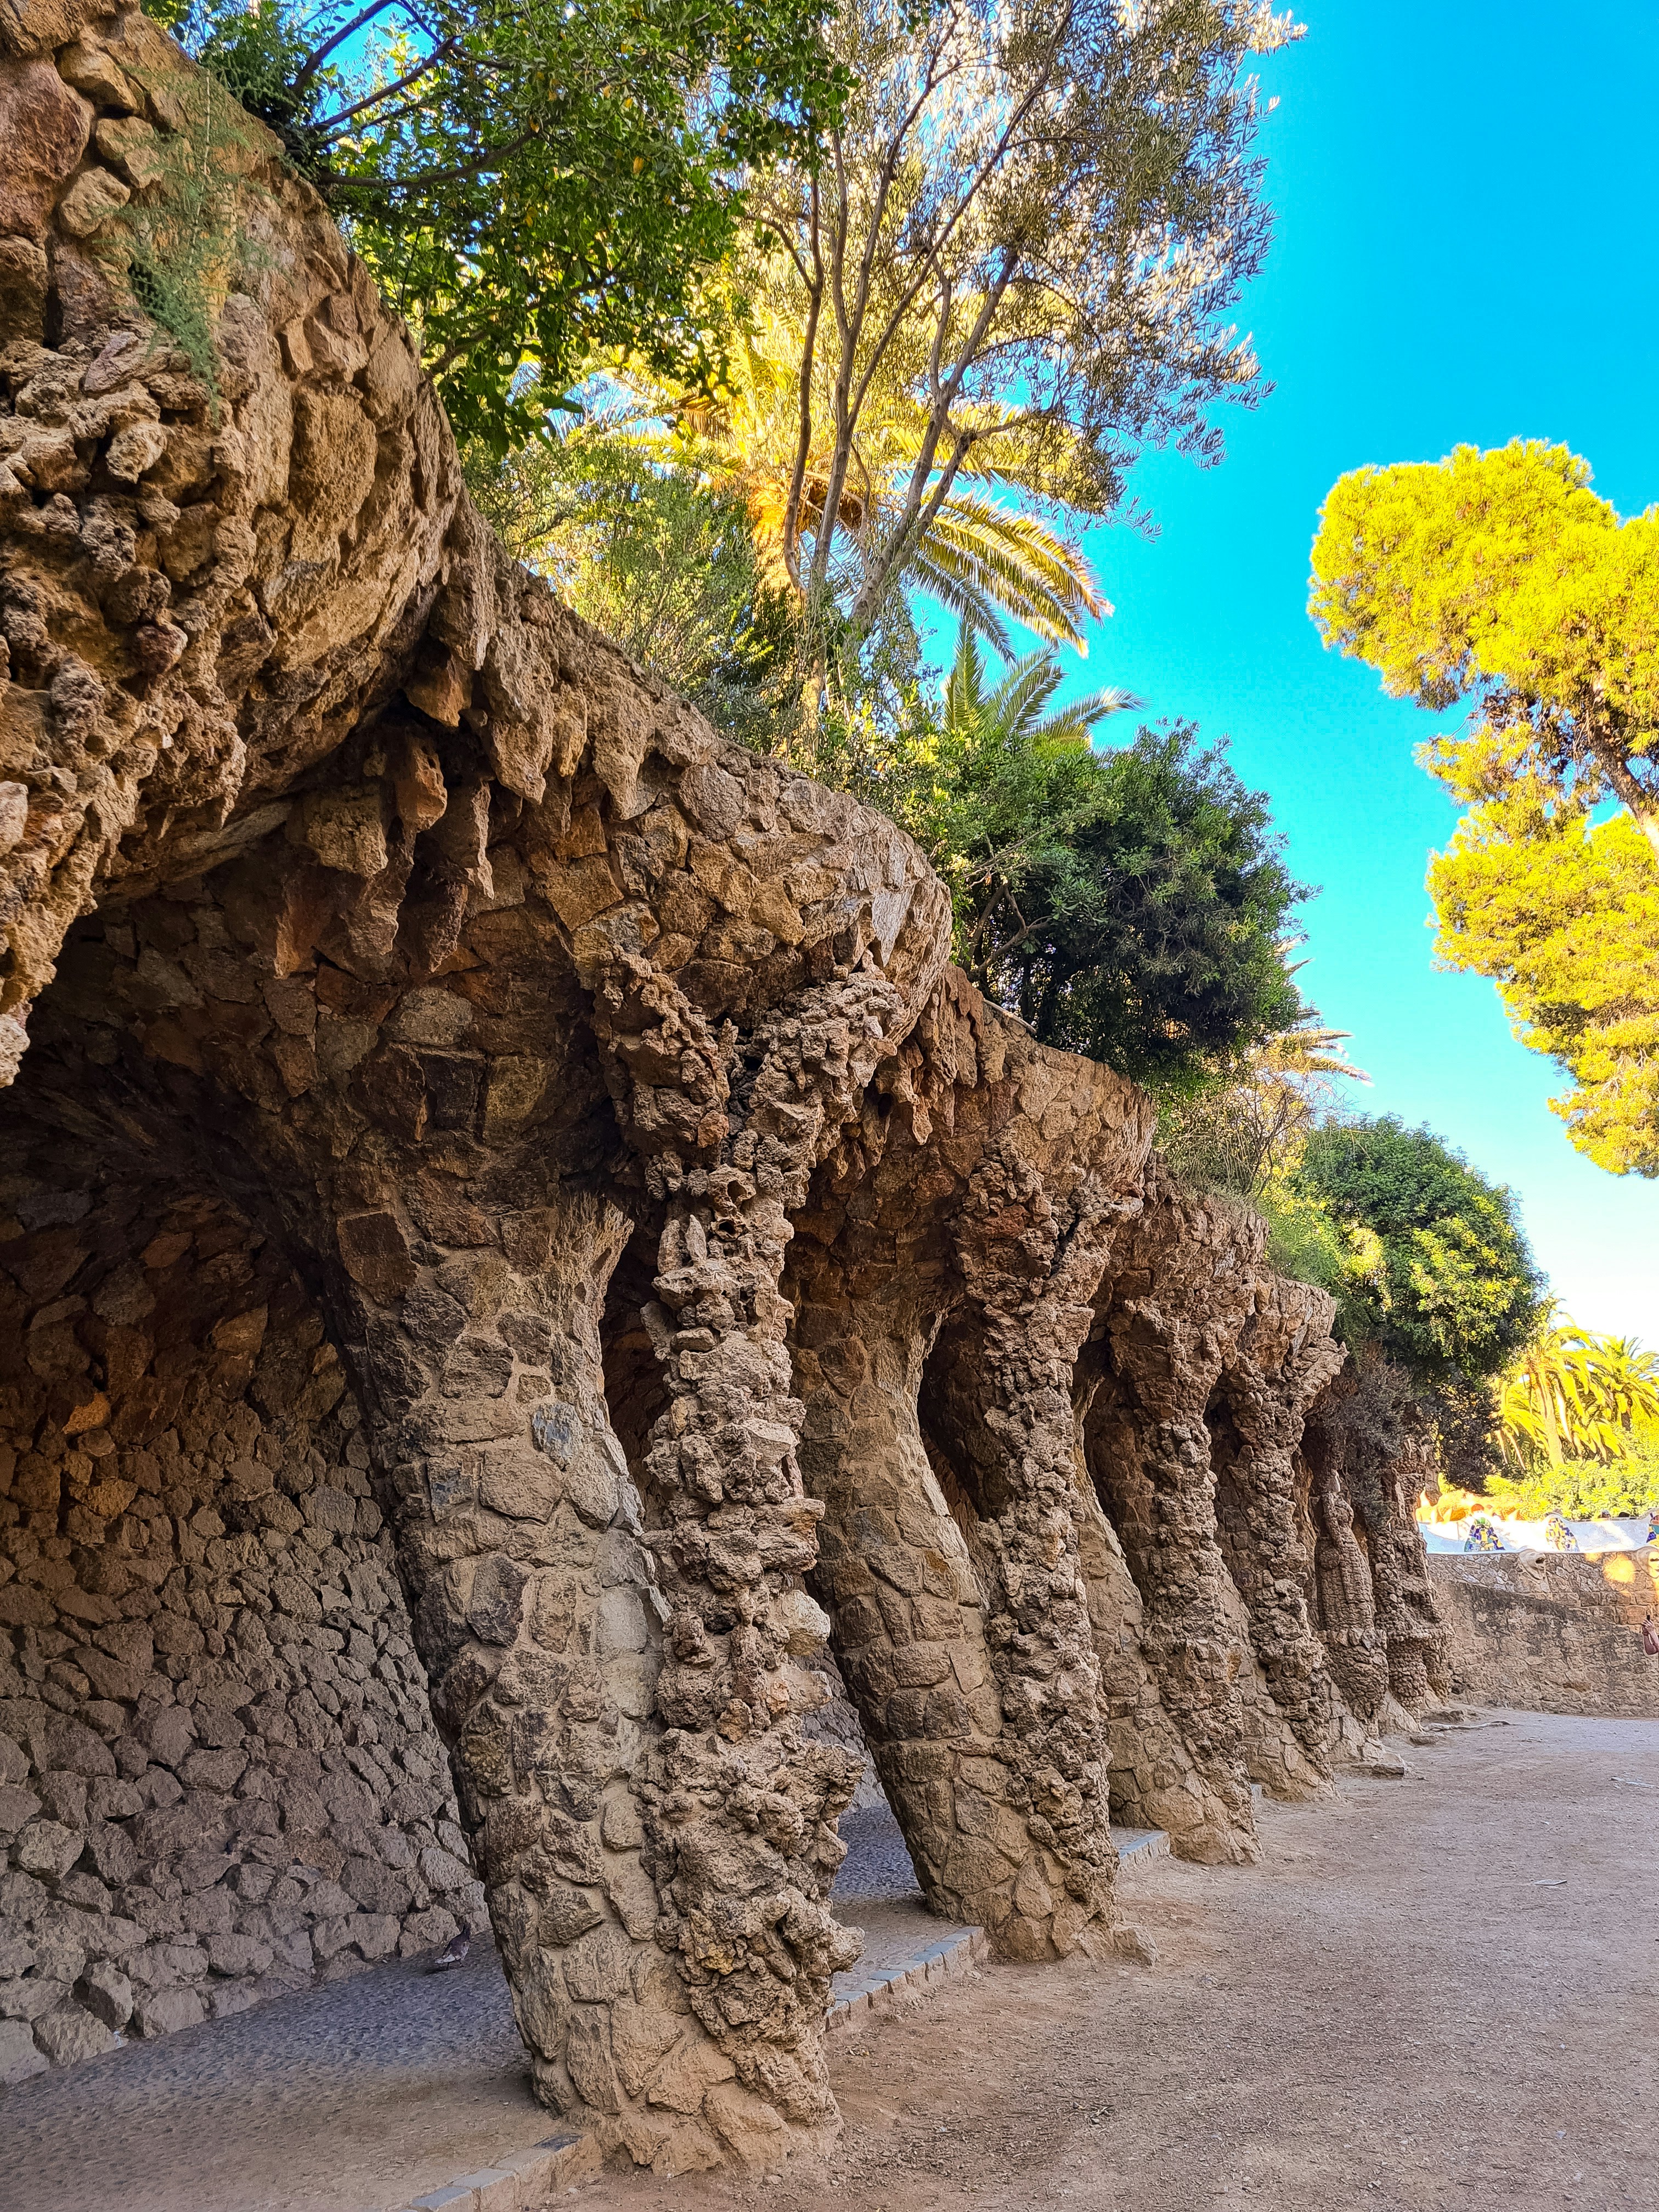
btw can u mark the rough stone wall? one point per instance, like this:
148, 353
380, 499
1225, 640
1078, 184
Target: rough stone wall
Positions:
219, 1778
704, 1268
1554, 1632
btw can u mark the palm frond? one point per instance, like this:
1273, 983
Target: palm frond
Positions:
962, 598
1028, 569
1077, 717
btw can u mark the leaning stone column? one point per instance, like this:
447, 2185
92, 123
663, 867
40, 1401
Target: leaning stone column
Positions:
1154, 1781
1172, 1310
729, 1119
999, 1401
1354, 1650
1284, 1357
896, 1571
538, 1617
1373, 1450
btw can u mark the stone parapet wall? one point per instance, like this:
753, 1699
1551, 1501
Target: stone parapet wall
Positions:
1551, 1632
219, 1778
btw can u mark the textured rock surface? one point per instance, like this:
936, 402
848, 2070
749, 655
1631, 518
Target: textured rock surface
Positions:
941, 1277
1367, 1453
479, 1128
221, 1780
1551, 1632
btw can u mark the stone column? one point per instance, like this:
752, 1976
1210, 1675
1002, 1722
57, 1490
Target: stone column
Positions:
896, 1573
1172, 1310
742, 1806
538, 1615
997, 1399
1408, 1613
1345, 1608
1371, 1444
1154, 1783
1285, 1355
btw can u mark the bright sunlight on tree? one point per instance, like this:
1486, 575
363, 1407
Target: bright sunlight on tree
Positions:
1501, 578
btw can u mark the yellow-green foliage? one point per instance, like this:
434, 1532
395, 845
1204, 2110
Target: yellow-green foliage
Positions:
182, 237
1501, 578
1495, 571
1562, 914
1306, 1244
1572, 1395
1582, 1489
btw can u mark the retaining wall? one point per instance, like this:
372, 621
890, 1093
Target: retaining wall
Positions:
1551, 1631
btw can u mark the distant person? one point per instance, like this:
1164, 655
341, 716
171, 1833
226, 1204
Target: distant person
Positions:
1650, 1638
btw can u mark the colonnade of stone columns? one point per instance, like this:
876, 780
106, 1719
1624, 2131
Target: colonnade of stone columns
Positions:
438, 938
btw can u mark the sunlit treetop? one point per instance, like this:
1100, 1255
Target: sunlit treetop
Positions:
531, 181
1502, 579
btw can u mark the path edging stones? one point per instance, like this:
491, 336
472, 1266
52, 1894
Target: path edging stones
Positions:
1141, 1853
952, 1955
521, 2183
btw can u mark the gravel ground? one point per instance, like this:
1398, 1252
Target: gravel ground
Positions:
1441, 1992
363, 2094
1435, 1993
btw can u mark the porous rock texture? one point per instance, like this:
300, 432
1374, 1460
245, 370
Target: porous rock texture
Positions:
1551, 1632
505, 1183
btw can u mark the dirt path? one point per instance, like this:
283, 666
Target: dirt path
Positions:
1442, 1991
1438, 1992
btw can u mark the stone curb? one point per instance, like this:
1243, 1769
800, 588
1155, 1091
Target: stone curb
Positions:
967, 1947
525, 2181
925, 1969
522, 2182
1137, 1857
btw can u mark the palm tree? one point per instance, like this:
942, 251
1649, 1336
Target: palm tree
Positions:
1010, 718
1573, 1394
980, 559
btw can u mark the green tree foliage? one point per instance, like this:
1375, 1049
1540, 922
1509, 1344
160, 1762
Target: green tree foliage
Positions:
532, 182
1011, 253
651, 555
1573, 1394
1502, 579
1127, 904
1435, 1268
1562, 912
1583, 1489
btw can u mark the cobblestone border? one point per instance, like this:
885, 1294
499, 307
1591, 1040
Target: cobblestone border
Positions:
924, 1969
521, 2183
1141, 1853
954, 1954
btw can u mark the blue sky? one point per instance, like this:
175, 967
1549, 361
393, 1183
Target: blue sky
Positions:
1467, 252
